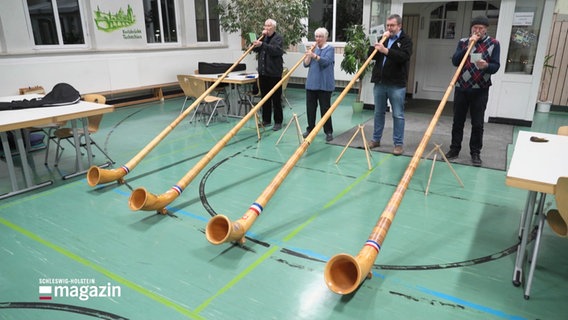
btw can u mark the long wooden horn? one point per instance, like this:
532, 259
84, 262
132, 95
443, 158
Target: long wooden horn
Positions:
220, 229
97, 175
344, 273
141, 199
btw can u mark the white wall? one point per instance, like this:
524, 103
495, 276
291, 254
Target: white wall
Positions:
103, 68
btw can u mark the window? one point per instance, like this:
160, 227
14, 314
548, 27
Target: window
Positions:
323, 13
524, 36
379, 14
56, 22
443, 21
207, 20
160, 18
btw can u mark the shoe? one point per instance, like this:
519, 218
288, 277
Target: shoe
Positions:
328, 137
476, 160
452, 154
305, 134
397, 150
277, 126
374, 144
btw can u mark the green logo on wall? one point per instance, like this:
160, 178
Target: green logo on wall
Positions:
109, 22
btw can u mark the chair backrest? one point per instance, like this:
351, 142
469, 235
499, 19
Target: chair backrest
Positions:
96, 98
558, 218
36, 89
95, 121
191, 86
563, 131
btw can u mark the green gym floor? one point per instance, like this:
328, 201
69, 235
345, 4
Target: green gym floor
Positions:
447, 255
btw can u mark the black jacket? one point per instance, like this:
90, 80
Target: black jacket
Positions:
395, 70
270, 61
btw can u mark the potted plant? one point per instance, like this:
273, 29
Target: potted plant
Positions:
354, 56
543, 104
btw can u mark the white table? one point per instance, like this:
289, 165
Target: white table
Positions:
13, 120
535, 166
239, 79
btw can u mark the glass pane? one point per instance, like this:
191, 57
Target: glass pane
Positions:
152, 18
43, 22
70, 20
379, 11
201, 20
450, 31
451, 10
437, 13
524, 36
214, 31
320, 15
350, 13
169, 21
435, 30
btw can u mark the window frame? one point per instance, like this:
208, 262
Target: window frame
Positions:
333, 32
162, 42
61, 45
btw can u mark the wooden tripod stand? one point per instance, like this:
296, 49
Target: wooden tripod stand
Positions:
360, 129
298, 129
438, 151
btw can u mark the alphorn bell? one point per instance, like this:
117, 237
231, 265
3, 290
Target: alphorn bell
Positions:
344, 273
141, 199
220, 229
97, 175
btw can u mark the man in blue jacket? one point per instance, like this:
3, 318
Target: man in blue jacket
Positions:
390, 74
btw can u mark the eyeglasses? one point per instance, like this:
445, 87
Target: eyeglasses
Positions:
392, 25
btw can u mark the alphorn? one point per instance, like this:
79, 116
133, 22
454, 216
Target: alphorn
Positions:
141, 199
220, 229
344, 273
97, 175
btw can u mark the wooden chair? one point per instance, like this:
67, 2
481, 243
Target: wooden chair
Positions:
193, 88
220, 91
252, 97
563, 131
94, 122
558, 222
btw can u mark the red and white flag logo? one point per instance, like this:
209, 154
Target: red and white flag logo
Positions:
44, 292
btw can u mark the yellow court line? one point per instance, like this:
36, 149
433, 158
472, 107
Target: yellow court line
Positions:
98, 268
252, 266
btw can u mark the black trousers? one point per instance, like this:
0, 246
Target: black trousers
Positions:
312, 99
473, 101
274, 103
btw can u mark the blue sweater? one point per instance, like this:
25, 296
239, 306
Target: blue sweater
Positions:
321, 73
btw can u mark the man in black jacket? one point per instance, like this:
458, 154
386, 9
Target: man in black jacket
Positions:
390, 74
270, 66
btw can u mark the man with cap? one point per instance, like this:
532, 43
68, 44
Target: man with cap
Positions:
472, 87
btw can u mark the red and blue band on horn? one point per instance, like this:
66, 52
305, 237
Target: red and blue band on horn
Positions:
177, 189
373, 244
125, 168
257, 208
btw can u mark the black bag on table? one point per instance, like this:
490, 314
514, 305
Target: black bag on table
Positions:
62, 94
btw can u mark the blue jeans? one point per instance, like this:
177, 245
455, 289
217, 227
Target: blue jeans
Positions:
396, 96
